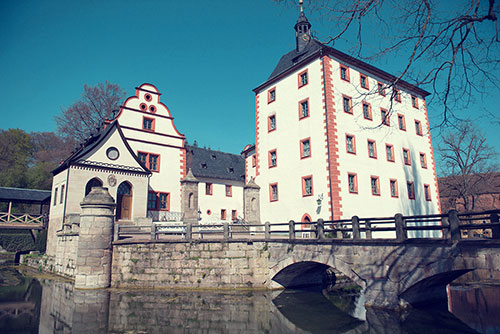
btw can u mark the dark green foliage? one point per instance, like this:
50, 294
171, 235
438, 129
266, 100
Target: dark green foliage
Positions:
17, 240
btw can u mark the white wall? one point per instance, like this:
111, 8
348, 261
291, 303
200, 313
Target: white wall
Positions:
218, 200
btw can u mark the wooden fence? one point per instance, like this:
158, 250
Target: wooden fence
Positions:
22, 221
452, 226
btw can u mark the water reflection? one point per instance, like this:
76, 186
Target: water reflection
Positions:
54, 306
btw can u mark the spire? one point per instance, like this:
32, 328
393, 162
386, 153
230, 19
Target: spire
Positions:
302, 30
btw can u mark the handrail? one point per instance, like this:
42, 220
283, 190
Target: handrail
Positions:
452, 226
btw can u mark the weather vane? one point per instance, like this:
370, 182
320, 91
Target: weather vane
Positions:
301, 2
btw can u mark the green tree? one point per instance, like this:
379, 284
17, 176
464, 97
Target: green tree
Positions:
16, 150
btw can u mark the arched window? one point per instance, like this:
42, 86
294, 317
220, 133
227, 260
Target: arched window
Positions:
191, 200
95, 182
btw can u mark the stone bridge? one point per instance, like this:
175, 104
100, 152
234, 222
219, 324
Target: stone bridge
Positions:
393, 272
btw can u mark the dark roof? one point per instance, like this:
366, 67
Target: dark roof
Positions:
315, 49
215, 164
91, 142
484, 183
24, 195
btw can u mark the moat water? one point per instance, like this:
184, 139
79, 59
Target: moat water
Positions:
31, 302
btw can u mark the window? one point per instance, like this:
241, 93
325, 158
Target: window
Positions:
148, 123
55, 197
352, 180
229, 190
344, 73
427, 192
150, 160
273, 192
234, 215
385, 117
304, 109
363, 80
414, 101
254, 161
350, 143
406, 156
209, 189
374, 181
423, 160
272, 159
411, 189
223, 214
347, 103
397, 95
62, 194
158, 201
271, 123
303, 78
401, 122
418, 128
271, 95
372, 149
381, 88
389, 151
307, 186
367, 111
305, 148
394, 188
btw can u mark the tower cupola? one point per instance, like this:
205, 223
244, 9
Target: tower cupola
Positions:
302, 30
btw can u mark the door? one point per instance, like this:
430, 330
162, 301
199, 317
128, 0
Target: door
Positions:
124, 201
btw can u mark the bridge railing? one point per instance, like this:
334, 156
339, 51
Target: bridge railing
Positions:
19, 220
453, 226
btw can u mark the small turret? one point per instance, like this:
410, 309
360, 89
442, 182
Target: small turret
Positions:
302, 30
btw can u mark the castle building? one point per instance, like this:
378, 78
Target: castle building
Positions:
335, 137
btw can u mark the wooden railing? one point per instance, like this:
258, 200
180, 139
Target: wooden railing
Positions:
22, 220
452, 226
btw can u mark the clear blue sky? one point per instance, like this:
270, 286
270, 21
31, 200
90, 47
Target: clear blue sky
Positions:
204, 56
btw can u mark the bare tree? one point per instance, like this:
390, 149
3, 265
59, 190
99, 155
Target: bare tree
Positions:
451, 49
85, 115
468, 162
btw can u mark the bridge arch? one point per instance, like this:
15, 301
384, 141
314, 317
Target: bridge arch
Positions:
288, 272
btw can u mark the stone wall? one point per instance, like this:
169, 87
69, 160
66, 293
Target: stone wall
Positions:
191, 265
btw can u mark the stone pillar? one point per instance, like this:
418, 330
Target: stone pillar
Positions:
91, 312
93, 257
251, 202
189, 203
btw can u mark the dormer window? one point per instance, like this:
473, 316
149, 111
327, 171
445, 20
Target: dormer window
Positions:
230, 170
214, 157
203, 165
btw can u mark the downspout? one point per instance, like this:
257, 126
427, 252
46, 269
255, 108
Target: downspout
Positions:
65, 198
327, 134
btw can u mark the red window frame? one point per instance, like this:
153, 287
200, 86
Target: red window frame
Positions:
230, 192
269, 157
348, 79
377, 185
371, 141
269, 92
269, 129
367, 85
370, 115
209, 188
397, 95
406, 156
349, 104
387, 119
423, 162
401, 125
414, 101
234, 215
302, 156
254, 160
299, 78
418, 128
410, 188
392, 152
271, 185
158, 201
355, 179
353, 143
427, 192
144, 118
381, 91
147, 163
301, 107
396, 190
304, 178
223, 214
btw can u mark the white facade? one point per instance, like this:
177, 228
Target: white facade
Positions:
213, 198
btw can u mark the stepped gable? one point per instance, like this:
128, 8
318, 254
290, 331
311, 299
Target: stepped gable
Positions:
215, 164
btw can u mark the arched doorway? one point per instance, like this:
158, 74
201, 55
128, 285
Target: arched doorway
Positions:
306, 226
124, 201
95, 182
